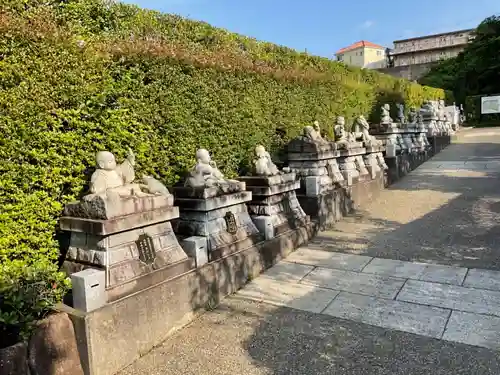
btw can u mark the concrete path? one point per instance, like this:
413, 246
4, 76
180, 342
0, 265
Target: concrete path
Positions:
409, 285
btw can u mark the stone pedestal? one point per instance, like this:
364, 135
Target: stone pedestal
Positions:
315, 164
131, 240
352, 165
274, 207
218, 218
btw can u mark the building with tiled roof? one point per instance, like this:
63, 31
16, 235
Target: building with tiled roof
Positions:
363, 54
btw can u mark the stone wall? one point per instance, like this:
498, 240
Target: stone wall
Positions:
410, 72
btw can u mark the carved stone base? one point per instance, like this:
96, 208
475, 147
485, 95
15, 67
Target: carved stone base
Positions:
222, 219
274, 207
124, 255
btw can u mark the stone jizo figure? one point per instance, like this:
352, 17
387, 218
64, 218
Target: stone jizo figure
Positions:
263, 164
205, 173
401, 113
413, 115
112, 181
362, 131
385, 116
312, 135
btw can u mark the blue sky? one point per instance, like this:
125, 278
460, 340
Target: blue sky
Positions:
323, 26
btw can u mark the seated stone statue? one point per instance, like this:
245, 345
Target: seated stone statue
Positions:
311, 135
362, 132
413, 115
263, 164
342, 139
401, 114
385, 116
205, 173
111, 181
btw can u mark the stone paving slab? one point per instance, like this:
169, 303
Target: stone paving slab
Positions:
484, 279
474, 329
354, 282
443, 274
297, 296
328, 259
395, 268
417, 271
451, 296
407, 317
285, 271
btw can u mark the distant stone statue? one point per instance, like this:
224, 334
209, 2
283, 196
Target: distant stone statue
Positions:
385, 115
205, 173
413, 115
312, 135
263, 164
401, 113
342, 138
111, 181
362, 131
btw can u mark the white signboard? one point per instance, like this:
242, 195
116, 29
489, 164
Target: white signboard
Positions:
490, 104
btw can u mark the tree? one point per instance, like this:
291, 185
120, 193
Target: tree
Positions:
474, 71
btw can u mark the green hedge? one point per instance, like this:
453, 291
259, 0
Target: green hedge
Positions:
82, 76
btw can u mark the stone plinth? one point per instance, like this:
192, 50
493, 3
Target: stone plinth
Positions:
135, 249
374, 160
218, 219
352, 165
274, 207
315, 164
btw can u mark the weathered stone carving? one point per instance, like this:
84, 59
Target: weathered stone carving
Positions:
413, 116
362, 132
401, 114
263, 165
111, 181
385, 117
113, 192
313, 135
206, 174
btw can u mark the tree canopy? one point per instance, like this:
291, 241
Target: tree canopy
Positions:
476, 70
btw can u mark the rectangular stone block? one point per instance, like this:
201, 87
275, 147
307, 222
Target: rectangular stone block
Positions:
259, 181
327, 259
289, 272
207, 192
484, 279
119, 224
89, 289
402, 316
474, 329
443, 274
296, 296
266, 191
394, 268
196, 247
372, 285
208, 204
265, 226
451, 297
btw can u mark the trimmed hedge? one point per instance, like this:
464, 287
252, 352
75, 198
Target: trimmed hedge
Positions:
81, 76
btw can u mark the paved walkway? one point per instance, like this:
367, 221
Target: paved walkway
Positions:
410, 285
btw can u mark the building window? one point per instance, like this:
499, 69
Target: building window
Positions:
361, 53
379, 53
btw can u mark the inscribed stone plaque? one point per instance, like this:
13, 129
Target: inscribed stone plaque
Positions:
231, 223
145, 246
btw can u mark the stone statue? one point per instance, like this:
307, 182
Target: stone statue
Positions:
362, 131
385, 117
205, 173
413, 115
317, 128
154, 186
441, 112
111, 181
263, 164
341, 137
401, 113
312, 135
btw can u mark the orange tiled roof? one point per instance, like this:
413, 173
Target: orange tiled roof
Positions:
362, 43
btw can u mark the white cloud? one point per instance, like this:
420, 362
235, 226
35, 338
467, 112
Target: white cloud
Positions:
367, 24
